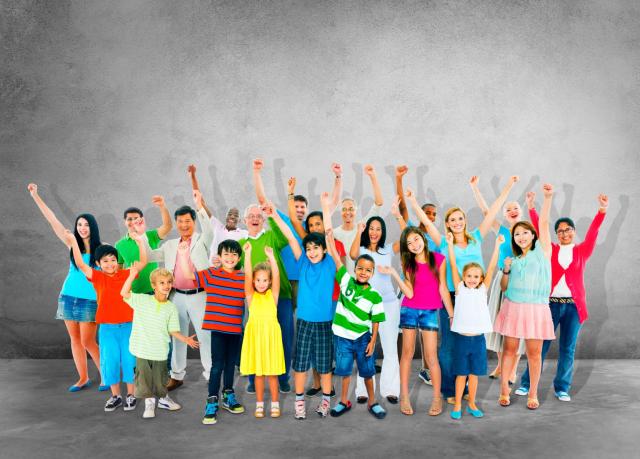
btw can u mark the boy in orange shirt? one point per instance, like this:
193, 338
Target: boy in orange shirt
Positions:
115, 318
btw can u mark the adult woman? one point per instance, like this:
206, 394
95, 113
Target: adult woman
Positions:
77, 301
468, 249
525, 312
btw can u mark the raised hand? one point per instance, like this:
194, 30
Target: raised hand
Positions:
268, 209
33, 189
158, 201
361, 227
216, 262
369, 170
184, 247
191, 169
395, 207
531, 198
384, 269
135, 268
69, 237
268, 252
258, 164
514, 179
410, 194
474, 180
547, 190
291, 183
507, 264
140, 225
336, 168
137, 236
449, 237
500, 239
401, 171
246, 248
603, 200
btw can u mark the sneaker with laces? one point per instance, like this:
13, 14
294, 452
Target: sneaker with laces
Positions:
285, 388
167, 404
301, 410
323, 408
114, 402
425, 376
149, 408
230, 403
211, 411
130, 403
251, 388
563, 396
313, 391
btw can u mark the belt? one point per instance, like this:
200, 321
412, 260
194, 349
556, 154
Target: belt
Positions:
561, 300
190, 292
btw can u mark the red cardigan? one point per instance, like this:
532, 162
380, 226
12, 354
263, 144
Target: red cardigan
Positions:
574, 274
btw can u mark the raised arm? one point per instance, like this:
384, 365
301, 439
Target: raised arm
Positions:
164, 229
325, 203
71, 241
275, 273
544, 235
377, 192
404, 284
533, 214
473, 182
248, 272
291, 207
354, 250
142, 262
337, 186
271, 212
397, 213
205, 222
506, 272
432, 231
183, 249
48, 214
494, 261
125, 292
455, 275
331, 248
402, 205
496, 206
258, 164
195, 187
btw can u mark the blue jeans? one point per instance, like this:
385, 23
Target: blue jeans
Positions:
285, 319
445, 356
565, 315
348, 350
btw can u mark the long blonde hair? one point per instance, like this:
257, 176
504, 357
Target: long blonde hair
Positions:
468, 238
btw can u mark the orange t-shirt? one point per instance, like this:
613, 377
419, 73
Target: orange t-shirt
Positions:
111, 307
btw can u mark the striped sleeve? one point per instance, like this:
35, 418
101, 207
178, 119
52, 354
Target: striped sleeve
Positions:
173, 324
377, 308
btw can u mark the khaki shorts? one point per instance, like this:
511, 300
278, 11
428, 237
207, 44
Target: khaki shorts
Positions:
151, 378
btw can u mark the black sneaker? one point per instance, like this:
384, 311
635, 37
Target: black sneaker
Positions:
130, 403
113, 403
313, 391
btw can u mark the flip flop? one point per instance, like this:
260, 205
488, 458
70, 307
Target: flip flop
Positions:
377, 411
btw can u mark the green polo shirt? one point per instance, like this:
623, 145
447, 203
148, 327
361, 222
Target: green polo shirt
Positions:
128, 252
273, 238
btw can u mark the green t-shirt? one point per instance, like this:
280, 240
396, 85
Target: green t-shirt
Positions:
128, 252
152, 323
357, 307
273, 238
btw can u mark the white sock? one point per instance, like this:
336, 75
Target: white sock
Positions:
275, 405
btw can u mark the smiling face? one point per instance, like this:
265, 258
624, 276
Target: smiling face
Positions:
364, 270
254, 219
473, 277
108, 264
130, 219
431, 212
375, 231
512, 212
348, 212
565, 233
229, 260
456, 222
83, 229
185, 225
261, 280
415, 243
301, 209
315, 253
315, 225
523, 237
162, 287
233, 217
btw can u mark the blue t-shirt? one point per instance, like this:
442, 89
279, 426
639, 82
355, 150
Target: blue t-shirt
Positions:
430, 243
471, 253
505, 249
288, 260
76, 284
315, 289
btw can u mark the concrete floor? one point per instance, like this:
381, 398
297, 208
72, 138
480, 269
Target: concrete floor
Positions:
40, 419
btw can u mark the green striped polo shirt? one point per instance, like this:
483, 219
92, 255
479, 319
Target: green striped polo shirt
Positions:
357, 307
152, 323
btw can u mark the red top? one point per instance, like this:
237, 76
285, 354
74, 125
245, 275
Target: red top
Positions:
336, 286
225, 299
111, 307
574, 274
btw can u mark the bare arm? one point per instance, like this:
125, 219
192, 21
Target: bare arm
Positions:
544, 235
258, 164
70, 240
48, 214
188, 340
125, 292
402, 205
481, 202
444, 291
337, 186
506, 272
167, 224
432, 231
248, 272
377, 192
354, 251
331, 248
371, 347
275, 274
496, 206
493, 262
195, 187
455, 275
404, 284
291, 207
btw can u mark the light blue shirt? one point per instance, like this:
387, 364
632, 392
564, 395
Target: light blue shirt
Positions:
471, 253
530, 278
76, 283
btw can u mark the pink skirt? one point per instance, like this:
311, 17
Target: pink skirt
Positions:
524, 320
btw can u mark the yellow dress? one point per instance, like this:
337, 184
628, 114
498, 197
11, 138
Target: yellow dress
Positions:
262, 351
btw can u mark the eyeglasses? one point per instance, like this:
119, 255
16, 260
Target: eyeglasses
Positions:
348, 209
564, 231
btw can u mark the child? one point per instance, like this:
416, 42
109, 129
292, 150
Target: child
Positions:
359, 310
471, 320
223, 317
114, 317
425, 289
155, 320
262, 350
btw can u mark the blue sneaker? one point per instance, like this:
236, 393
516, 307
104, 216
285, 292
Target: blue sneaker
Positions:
230, 403
425, 377
251, 388
75, 388
456, 415
522, 391
563, 396
475, 413
211, 411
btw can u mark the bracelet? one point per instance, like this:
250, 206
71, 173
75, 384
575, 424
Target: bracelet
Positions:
290, 196
338, 177
506, 273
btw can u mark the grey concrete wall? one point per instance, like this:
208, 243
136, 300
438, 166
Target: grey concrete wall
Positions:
105, 103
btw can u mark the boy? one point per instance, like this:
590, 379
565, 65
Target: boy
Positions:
224, 287
114, 317
155, 319
358, 311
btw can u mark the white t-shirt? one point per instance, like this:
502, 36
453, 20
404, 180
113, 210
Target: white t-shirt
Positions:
471, 313
347, 237
221, 233
565, 258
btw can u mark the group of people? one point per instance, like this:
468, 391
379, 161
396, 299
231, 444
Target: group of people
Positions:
340, 284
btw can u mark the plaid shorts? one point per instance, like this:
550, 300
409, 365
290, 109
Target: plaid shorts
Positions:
313, 339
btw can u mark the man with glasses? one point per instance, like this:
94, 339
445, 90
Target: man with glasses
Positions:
568, 299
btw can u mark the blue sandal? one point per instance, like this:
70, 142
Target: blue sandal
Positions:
340, 409
377, 411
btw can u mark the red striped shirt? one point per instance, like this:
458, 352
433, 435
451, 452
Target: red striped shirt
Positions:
225, 299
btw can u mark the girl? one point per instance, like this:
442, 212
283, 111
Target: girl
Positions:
262, 349
512, 213
425, 289
468, 248
370, 240
470, 321
77, 301
525, 312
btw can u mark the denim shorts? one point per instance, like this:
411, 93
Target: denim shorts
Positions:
469, 355
424, 319
76, 309
348, 350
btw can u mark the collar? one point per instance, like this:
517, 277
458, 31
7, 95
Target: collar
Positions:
257, 236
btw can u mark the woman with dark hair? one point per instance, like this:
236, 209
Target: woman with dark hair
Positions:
77, 301
525, 313
371, 240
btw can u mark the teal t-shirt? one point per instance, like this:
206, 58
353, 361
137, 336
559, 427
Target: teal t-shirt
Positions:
530, 278
76, 283
471, 253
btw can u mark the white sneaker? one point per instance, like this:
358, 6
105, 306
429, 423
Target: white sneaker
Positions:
149, 408
563, 396
167, 404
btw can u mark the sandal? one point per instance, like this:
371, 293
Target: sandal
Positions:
377, 411
259, 413
436, 406
495, 374
533, 403
340, 409
405, 406
275, 411
505, 400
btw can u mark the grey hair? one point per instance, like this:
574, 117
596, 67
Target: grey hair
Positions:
251, 206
